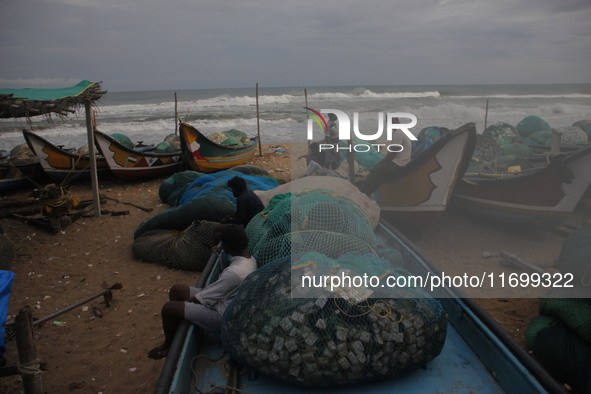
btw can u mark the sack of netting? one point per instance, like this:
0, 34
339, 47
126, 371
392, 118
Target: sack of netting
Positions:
241, 138
187, 250
575, 258
517, 149
315, 220
530, 125
502, 133
338, 186
206, 198
340, 336
209, 207
123, 140
249, 169
173, 187
165, 147
217, 184
584, 125
561, 351
575, 313
174, 140
22, 154
571, 137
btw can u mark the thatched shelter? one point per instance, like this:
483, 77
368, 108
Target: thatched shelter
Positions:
19, 103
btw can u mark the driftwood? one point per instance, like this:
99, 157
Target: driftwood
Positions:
17, 202
512, 261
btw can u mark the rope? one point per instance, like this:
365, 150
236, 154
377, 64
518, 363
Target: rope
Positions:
384, 311
9, 161
69, 177
212, 361
30, 368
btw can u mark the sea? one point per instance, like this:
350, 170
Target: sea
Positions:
278, 115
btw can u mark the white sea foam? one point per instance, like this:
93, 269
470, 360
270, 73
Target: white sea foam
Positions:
149, 116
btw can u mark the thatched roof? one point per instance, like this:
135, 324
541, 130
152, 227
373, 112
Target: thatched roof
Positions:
19, 103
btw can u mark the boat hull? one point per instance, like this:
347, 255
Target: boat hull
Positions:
13, 176
473, 339
543, 197
417, 194
132, 164
60, 164
204, 155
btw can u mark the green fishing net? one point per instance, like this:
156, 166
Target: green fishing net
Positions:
316, 220
338, 338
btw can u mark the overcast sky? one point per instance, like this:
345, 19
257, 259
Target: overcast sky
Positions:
192, 44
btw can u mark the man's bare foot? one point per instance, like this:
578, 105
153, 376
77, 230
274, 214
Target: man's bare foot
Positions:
159, 352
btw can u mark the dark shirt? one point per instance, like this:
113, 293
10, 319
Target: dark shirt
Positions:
247, 205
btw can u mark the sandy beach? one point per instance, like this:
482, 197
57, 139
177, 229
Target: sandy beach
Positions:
83, 353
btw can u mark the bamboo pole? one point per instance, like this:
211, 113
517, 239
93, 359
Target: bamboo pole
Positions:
92, 159
176, 115
28, 364
307, 114
486, 114
259, 123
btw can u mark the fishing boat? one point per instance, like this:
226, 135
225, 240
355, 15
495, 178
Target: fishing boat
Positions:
536, 197
18, 173
61, 164
418, 193
128, 163
478, 355
204, 155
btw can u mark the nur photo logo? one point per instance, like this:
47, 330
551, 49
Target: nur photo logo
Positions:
394, 121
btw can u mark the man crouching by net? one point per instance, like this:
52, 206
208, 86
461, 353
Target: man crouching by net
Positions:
205, 307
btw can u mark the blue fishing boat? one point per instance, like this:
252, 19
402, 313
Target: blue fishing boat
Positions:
478, 355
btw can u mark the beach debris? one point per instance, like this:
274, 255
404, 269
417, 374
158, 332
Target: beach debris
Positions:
107, 297
145, 209
97, 312
76, 385
512, 261
124, 350
58, 323
488, 255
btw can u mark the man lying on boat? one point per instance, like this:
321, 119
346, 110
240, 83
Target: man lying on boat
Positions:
248, 204
205, 307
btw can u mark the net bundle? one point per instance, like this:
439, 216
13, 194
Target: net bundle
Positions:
315, 220
22, 154
231, 137
187, 250
334, 338
196, 196
560, 338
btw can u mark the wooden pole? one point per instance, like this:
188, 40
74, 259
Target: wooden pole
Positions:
28, 364
176, 116
555, 141
351, 161
486, 114
92, 159
307, 114
259, 123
